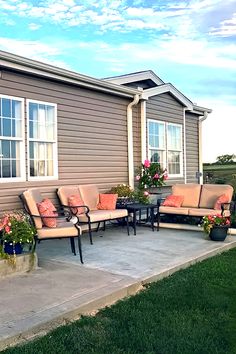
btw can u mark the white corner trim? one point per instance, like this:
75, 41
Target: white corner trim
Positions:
168, 88
185, 152
143, 131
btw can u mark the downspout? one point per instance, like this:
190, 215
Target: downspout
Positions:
201, 119
130, 140
185, 153
143, 131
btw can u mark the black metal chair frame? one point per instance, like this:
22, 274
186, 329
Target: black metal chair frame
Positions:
89, 222
61, 215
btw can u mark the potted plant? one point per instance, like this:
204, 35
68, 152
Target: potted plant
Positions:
16, 231
150, 175
216, 226
125, 193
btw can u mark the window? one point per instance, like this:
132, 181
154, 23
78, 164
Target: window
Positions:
165, 145
42, 141
12, 163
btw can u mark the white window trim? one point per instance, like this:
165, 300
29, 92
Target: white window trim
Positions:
21, 141
181, 148
165, 162
55, 144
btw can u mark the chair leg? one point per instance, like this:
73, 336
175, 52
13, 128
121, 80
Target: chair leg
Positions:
90, 232
80, 249
104, 225
72, 243
98, 226
127, 223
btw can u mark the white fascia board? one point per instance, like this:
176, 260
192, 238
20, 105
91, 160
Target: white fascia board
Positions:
15, 62
171, 89
201, 110
139, 76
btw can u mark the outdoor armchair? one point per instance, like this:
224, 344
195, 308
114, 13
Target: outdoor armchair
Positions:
65, 228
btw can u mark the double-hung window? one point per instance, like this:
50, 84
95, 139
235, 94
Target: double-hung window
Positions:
165, 146
42, 140
12, 152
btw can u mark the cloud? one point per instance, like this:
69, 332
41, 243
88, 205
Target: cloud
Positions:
33, 49
34, 26
227, 28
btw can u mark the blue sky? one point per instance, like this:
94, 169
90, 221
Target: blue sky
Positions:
190, 43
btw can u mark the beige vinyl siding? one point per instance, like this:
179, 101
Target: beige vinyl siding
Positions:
166, 108
192, 148
92, 135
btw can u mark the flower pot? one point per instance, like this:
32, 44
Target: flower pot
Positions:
218, 233
9, 248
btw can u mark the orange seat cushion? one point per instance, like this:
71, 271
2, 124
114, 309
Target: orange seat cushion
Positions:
46, 208
221, 200
173, 201
107, 201
76, 200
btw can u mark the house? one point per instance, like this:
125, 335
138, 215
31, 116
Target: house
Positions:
59, 127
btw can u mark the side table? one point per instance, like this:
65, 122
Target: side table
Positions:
137, 207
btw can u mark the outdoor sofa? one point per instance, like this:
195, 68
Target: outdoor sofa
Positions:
199, 200
87, 210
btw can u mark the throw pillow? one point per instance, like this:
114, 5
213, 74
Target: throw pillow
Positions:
49, 204
222, 199
173, 201
44, 210
107, 201
76, 200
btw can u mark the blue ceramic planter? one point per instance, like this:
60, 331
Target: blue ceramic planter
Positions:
8, 248
218, 233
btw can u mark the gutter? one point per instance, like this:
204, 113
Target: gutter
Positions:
201, 119
130, 139
19, 63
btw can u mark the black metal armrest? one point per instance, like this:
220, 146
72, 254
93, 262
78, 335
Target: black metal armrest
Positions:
159, 201
226, 206
87, 210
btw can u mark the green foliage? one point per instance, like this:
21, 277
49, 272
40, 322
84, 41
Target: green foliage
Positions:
141, 196
150, 174
208, 222
16, 228
123, 190
191, 312
225, 159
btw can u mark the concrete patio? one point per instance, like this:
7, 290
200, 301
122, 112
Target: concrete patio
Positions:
117, 265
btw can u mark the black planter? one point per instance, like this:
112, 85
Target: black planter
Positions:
9, 248
218, 233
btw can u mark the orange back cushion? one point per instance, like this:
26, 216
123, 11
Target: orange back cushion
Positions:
75, 200
107, 201
46, 208
173, 201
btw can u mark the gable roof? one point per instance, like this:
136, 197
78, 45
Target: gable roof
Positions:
157, 88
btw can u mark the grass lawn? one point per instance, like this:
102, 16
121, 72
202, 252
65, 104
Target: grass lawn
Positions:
193, 311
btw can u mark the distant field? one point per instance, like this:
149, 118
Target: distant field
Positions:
222, 174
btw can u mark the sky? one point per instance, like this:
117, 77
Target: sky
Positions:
190, 43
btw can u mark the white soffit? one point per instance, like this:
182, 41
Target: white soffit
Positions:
133, 77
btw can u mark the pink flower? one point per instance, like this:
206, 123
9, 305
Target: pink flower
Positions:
147, 163
165, 176
146, 193
137, 178
156, 176
7, 229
